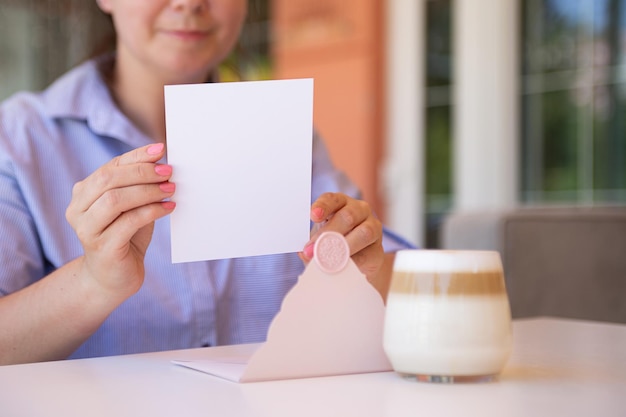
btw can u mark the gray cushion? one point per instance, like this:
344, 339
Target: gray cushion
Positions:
558, 261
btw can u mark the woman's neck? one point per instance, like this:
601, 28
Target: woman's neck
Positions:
138, 91
139, 95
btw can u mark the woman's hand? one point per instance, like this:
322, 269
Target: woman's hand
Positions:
355, 220
113, 212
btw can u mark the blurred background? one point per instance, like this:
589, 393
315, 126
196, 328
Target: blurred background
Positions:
431, 106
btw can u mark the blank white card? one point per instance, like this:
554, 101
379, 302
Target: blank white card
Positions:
241, 157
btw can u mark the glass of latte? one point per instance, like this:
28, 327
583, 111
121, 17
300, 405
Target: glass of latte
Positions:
448, 317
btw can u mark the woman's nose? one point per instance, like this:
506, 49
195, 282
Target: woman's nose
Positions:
193, 6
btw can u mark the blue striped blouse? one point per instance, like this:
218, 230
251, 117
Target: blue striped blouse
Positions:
52, 139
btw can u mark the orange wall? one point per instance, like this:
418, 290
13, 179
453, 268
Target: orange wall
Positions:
339, 44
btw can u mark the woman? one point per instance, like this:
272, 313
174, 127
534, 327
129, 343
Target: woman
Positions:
84, 202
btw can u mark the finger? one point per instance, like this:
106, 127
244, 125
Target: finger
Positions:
114, 203
148, 153
122, 230
326, 205
369, 259
345, 219
366, 234
111, 176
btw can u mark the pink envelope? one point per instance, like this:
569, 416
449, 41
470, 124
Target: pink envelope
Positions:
330, 323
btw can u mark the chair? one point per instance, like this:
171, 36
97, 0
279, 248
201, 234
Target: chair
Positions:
558, 261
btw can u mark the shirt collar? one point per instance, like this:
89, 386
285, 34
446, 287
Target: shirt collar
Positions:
82, 94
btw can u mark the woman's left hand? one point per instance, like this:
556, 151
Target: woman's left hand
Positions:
355, 220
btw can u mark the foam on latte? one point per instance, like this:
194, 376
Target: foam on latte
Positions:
447, 261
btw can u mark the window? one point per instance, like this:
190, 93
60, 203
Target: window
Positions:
438, 116
572, 117
41, 39
573, 101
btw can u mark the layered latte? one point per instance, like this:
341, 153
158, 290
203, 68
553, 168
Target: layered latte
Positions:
448, 314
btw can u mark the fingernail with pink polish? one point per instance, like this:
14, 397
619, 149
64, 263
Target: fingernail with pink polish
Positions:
318, 212
308, 251
155, 149
168, 205
167, 187
163, 169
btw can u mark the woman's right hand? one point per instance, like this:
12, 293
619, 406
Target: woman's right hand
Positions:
113, 211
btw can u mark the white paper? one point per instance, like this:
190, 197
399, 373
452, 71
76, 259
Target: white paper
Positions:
329, 324
241, 156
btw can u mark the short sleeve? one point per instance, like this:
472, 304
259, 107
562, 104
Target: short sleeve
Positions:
21, 259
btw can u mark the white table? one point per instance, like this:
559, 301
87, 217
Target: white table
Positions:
558, 368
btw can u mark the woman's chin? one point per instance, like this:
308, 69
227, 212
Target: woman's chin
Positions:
187, 74
194, 66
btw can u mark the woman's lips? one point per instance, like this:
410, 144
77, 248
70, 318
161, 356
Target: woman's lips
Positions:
188, 35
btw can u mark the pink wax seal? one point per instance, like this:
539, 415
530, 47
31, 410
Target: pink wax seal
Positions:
331, 252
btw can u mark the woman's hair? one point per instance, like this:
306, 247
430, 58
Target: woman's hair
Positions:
108, 41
